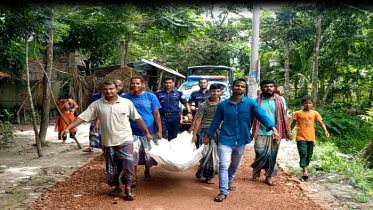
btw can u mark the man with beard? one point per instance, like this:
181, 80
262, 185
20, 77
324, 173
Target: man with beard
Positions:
119, 85
266, 148
114, 112
169, 97
235, 115
198, 97
148, 107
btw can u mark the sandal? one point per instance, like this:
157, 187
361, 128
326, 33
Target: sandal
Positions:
220, 197
87, 150
256, 176
115, 192
231, 187
305, 177
209, 181
147, 175
269, 182
130, 194
134, 183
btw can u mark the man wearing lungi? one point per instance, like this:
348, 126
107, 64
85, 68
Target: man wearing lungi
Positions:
114, 113
148, 106
266, 148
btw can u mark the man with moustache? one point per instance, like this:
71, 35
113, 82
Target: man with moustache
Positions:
114, 113
169, 97
198, 97
266, 148
148, 106
235, 115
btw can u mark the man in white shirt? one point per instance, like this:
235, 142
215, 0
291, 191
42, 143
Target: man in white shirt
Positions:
113, 113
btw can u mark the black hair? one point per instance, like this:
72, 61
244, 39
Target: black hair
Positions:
216, 86
168, 78
203, 79
240, 80
109, 83
267, 81
68, 95
138, 77
305, 98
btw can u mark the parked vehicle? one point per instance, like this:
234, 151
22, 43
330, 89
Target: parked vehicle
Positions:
222, 75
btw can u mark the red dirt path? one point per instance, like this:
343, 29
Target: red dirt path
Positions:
87, 189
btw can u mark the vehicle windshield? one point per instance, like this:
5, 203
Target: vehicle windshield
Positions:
194, 86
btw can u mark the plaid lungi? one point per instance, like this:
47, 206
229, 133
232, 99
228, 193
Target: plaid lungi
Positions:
141, 151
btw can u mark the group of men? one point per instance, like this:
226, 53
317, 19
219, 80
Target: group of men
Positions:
129, 122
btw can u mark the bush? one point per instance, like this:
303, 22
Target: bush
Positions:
6, 131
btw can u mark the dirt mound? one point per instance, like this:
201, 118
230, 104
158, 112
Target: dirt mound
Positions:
124, 74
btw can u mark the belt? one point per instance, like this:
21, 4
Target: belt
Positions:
169, 113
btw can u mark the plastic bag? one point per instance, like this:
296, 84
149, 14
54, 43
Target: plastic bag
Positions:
176, 155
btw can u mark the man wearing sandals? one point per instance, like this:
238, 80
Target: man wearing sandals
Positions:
209, 164
235, 114
148, 106
114, 112
266, 148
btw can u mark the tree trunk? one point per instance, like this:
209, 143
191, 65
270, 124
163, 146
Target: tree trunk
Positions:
287, 66
316, 52
23, 103
46, 83
33, 114
326, 92
367, 154
121, 49
126, 48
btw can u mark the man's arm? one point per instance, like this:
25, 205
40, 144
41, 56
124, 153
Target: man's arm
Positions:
293, 124
77, 121
158, 122
197, 124
143, 127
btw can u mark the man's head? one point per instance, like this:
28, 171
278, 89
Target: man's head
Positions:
168, 83
109, 89
203, 83
239, 86
137, 85
268, 88
119, 85
216, 90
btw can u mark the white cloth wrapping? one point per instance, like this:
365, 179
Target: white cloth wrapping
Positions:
176, 155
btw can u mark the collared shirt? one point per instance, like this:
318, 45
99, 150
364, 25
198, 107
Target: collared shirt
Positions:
269, 107
114, 119
198, 97
206, 111
235, 129
170, 100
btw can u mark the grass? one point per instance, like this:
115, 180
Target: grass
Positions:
361, 197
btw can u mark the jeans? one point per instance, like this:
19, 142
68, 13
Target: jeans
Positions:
229, 161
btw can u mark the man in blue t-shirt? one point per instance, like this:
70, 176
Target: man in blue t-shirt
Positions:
147, 105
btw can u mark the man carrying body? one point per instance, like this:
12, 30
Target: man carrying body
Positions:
209, 164
148, 107
114, 112
198, 97
266, 148
235, 114
169, 98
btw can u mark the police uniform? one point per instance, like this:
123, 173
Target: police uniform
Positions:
198, 97
170, 111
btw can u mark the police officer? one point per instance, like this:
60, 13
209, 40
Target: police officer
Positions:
198, 97
169, 97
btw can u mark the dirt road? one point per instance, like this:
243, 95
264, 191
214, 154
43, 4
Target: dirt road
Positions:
87, 189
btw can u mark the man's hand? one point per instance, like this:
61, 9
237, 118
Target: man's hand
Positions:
159, 135
149, 137
327, 134
276, 136
64, 133
194, 138
190, 116
206, 140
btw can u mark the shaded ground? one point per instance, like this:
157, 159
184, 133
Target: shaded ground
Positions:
29, 182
